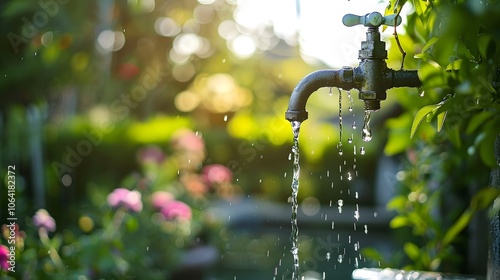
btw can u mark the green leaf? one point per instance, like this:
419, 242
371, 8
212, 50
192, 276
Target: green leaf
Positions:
481, 200
457, 227
432, 75
419, 117
484, 198
477, 120
397, 203
393, 7
455, 65
429, 44
440, 120
412, 251
486, 148
486, 84
372, 254
453, 133
399, 221
398, 140
484, 41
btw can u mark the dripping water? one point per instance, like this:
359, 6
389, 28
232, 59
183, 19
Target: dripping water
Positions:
366, 133
351, 139
295, 189
340, 122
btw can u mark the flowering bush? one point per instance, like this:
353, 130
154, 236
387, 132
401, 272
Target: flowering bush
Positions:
146, 227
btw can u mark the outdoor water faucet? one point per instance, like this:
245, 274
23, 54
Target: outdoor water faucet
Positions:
371, 78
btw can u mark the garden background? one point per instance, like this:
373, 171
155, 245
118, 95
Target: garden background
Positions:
149, 140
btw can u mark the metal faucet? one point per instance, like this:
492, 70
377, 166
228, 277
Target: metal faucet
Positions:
371, 78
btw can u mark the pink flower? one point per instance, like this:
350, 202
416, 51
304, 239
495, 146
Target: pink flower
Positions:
150, 154
194, 184
4, 258
130, 200
188, 140
176, 209
217, 174
42, 219
160, 199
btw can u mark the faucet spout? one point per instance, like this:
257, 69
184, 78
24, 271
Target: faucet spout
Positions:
309, 84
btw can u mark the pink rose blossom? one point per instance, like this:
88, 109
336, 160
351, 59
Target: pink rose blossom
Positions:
188, 140
176, 209
151, 154
42, 219
217, 174
130, 200
4, 258
160, 199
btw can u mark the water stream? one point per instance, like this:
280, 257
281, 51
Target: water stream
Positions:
366, 135
340, 122
295, 190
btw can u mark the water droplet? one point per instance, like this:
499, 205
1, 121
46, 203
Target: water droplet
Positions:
349, 176
350, 108
328, 256
35, 53
333, 225
349, 140
225, 118
421, 92
366, 133
330, 92
366, 229
354, 125
290, 156
340, 203
362, 151
340, 258
341, 152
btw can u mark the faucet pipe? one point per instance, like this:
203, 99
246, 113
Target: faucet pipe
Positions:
312, 82
348, 78
372, 77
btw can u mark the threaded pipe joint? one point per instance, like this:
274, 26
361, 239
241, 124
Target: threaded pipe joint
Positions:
372, 104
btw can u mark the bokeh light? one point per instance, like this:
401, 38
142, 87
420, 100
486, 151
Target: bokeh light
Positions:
167, 27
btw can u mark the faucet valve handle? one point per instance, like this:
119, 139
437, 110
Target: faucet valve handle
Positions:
374, 19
